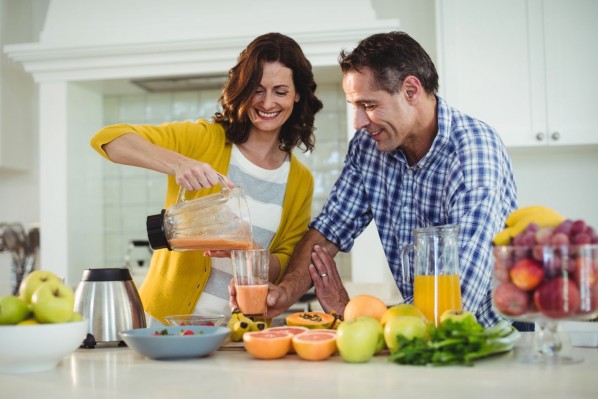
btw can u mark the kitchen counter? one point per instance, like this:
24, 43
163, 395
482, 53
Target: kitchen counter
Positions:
120, 373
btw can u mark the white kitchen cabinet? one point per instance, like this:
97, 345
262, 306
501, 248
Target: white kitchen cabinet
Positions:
528, 68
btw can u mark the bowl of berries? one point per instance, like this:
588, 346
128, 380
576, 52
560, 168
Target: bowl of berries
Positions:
195, 320
546, 273
175, 342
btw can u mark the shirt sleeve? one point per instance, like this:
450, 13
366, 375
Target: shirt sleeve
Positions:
187, 138
347, 212
476, 201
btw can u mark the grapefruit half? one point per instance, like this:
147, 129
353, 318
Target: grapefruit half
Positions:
267, 344
315, 344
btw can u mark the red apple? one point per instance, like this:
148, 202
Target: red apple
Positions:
557, 298
510, 300
527, 274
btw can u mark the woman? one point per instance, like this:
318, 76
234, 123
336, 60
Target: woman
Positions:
268, 108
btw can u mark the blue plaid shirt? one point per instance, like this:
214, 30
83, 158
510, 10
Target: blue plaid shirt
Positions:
464, 179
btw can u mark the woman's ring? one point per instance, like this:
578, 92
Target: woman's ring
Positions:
323, 275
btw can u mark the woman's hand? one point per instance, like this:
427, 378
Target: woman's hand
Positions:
329, 288
195, 175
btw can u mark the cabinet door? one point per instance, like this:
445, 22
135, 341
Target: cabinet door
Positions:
486, 63
571, 49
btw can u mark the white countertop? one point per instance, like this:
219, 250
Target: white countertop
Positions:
120, 373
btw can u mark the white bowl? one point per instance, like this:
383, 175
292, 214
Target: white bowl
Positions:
38, 347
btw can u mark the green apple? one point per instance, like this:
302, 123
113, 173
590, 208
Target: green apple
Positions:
53, 302
458, 316
359, 339
30, 321
402, 309
409, 327
13, 309
33, 281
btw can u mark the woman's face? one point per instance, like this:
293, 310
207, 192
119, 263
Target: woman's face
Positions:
273, 101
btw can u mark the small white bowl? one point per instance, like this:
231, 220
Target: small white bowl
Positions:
38, 347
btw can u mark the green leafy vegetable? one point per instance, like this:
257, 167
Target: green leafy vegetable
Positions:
456, 343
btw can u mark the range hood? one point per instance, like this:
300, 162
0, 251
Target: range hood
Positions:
181, 83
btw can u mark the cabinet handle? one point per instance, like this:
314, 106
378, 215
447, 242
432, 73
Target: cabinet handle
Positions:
540, 136
555, 136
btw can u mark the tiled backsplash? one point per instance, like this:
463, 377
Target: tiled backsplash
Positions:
130, 194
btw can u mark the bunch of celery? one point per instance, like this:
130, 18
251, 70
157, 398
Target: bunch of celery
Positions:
456, 343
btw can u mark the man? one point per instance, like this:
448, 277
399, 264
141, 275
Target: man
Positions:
414, 161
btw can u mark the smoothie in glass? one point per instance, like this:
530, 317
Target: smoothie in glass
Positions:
252, 299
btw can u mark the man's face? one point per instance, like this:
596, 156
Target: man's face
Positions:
388, 118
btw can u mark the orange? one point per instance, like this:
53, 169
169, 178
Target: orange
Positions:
267, 344
315, 345
364, 305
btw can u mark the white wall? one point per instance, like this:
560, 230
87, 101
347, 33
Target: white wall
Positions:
19, 151
561, 177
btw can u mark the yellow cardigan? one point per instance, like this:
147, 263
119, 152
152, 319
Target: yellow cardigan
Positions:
175, 280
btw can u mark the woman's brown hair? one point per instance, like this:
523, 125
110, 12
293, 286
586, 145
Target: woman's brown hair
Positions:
245, 77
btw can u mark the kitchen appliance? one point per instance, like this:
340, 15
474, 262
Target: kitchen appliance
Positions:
218, 221
109, 300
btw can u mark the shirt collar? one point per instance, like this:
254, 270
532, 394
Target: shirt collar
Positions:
442, 134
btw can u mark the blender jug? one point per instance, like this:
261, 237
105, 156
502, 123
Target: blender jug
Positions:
436, 267
217, 221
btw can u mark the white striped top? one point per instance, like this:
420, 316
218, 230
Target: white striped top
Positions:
264, 190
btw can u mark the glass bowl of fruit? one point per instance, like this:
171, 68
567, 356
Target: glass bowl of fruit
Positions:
547, 275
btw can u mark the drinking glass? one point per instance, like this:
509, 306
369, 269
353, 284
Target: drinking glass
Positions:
250, 274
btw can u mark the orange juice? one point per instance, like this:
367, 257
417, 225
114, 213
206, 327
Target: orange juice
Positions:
252, 299
435, 294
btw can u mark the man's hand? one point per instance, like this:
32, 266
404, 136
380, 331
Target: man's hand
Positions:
329, 288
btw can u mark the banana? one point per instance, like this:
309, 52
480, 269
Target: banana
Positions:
519, 219
257, 326
503, 237
541, 219
238, 316
239, 328
522, 213
268, 321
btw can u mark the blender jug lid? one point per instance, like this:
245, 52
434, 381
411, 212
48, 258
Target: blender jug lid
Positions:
107, 274
155, 231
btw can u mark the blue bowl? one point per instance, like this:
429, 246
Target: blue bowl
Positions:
204, 341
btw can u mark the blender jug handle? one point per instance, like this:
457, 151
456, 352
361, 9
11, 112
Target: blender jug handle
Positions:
405, 261
182, 191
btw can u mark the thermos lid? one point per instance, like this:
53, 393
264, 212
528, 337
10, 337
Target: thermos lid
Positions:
107, 274
155, 231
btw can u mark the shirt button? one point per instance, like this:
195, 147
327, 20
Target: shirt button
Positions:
405, 209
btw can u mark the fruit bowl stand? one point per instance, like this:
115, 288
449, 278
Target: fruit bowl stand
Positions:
120, 372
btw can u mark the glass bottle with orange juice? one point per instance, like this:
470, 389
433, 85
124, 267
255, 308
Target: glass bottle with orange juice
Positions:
436, 270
